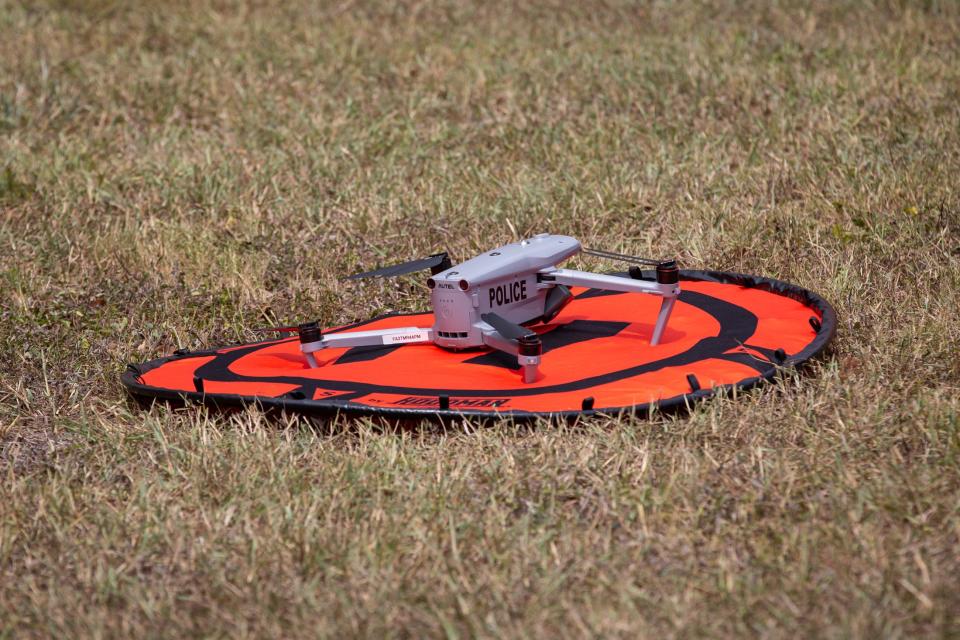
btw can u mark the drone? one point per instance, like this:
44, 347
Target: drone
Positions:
491, 300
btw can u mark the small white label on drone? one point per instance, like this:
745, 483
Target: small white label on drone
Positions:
400, 338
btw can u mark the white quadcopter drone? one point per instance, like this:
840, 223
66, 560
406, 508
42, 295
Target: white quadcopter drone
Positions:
489, 300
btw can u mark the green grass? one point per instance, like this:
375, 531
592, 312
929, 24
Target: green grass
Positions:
174, 174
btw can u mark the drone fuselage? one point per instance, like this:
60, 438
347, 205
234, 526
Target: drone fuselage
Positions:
488, 300
506, 281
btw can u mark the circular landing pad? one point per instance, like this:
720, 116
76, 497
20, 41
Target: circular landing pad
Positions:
727, 330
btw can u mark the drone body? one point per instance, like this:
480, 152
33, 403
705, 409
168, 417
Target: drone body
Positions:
505, 281
489, 300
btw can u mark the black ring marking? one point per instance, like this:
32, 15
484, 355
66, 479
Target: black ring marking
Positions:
364, 354
562, 336
736, 326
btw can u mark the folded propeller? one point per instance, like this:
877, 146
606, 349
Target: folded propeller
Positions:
509, 330
528, 341
436, 262
667, 270
610, 255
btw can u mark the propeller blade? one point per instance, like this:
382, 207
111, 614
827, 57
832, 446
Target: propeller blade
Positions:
298, 329
436, 263
507, 329
610, 255
276, 330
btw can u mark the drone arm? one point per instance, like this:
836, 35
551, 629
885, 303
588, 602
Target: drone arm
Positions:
388, 337
668, 291
574, 278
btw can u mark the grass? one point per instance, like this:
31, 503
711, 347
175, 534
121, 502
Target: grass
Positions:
174, 174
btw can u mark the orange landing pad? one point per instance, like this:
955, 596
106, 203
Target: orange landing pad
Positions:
727, 330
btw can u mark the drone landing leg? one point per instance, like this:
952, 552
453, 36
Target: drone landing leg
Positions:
528, 353
665, 308
667, 286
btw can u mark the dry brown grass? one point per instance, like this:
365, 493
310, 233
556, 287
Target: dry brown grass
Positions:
174, 174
